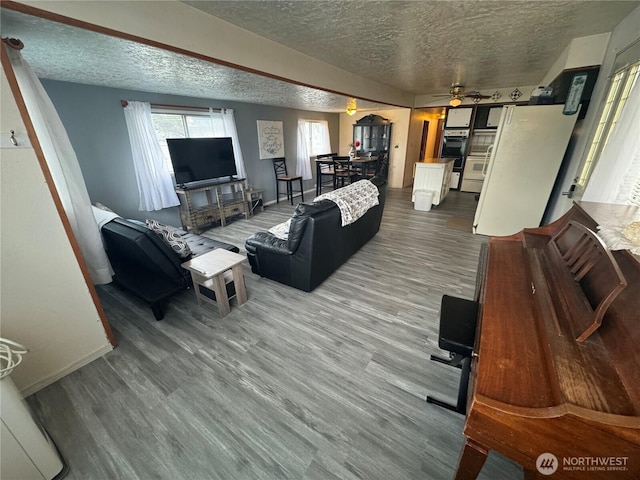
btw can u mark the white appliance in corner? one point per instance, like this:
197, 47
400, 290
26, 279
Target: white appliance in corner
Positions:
26, 450
530, 144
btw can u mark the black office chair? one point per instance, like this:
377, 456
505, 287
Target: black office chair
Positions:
344, 171
280, 169
457, 333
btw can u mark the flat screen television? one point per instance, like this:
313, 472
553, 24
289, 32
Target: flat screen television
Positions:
197, 159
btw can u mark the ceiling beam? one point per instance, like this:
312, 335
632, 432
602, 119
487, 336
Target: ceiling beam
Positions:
177, 27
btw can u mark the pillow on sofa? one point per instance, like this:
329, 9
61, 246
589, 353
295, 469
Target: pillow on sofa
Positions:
281, 230
169, 236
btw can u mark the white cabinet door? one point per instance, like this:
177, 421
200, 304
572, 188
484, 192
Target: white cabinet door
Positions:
494, 116
458, 117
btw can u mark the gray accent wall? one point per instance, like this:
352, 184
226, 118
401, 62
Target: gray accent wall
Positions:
94, 120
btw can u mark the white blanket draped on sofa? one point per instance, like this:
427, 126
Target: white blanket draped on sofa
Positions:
353, 200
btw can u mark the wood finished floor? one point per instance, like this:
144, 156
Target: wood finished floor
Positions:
323, 385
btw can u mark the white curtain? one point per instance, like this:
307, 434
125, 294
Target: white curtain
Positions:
313, 139
155, 186
303, 163
618, 167
324, 142
65, 170
229, 124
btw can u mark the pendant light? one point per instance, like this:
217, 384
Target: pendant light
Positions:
351, 107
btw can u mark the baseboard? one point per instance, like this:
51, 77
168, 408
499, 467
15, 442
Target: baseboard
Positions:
45, 382
311, 191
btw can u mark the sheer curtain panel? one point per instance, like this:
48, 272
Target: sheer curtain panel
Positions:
155, 185
313, 139
323, 141
229, 123
65, 170
303, 164
618, 169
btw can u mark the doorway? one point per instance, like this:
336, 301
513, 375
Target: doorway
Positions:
425, 137
437, 145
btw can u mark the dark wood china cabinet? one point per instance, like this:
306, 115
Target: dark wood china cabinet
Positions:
373, 133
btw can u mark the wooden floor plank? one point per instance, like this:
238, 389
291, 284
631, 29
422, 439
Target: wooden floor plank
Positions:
291, 385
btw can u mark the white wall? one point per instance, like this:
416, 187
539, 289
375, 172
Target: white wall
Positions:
581, 52
45, 303
399, 138
625, 34
216, 39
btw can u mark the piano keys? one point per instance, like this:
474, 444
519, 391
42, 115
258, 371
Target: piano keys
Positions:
554, 387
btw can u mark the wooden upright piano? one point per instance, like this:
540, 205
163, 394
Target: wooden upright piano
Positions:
553, 387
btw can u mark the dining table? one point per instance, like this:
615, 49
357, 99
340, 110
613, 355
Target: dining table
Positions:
359, 164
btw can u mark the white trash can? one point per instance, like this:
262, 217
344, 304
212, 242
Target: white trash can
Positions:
423, 200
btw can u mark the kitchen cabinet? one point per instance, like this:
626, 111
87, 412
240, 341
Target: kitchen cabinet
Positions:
459, 117
487, 117
494, 117
433, 174
562, 84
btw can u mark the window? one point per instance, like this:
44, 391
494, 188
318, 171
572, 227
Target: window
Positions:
170, 123
621, 85
313, 139
317, 133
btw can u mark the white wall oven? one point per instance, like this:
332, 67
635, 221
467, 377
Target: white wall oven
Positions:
454, 145
480, 147
473, 174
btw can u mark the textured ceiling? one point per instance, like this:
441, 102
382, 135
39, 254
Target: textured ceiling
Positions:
60, 52
417, 46
424, 46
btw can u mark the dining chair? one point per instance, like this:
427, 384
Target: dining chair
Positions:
344, 171
280, 170
323, 170
371, 168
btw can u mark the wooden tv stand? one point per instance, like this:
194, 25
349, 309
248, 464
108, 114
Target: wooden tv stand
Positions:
218, 205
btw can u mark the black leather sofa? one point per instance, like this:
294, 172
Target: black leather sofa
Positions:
146, 266
317, 244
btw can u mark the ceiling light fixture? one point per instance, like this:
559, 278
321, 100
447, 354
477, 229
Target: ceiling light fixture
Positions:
352, 107
457, 94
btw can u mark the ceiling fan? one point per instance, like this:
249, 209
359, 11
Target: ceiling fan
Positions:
457, 93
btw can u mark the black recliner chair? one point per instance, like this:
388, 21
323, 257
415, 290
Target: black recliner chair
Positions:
146, 266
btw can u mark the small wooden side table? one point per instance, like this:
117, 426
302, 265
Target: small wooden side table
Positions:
213, 271
254, 197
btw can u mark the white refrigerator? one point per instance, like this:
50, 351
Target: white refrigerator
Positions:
522, 167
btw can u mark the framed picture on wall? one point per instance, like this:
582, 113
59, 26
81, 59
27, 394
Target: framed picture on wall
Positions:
270, 139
